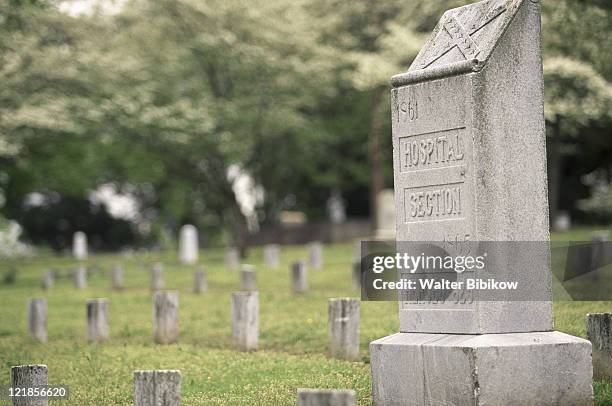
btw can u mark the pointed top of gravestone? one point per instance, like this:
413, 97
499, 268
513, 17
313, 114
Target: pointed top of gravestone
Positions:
463, 40
467, 33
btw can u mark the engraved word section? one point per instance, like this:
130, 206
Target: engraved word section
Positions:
438, 202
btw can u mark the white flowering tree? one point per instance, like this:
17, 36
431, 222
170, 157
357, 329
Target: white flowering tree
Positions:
10, 246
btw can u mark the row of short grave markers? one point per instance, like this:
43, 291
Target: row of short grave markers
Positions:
232, 261
343, 321
590, 257
188, 245
163, 387
587, 259
248, 278
189, 250
271, 253
343, 325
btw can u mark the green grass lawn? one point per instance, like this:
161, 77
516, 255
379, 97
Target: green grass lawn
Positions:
293, 331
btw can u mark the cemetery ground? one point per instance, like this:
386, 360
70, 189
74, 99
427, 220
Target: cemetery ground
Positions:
293, 329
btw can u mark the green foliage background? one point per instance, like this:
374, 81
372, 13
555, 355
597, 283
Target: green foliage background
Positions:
163, 97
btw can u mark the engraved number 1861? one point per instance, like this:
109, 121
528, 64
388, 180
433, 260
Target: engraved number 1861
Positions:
408, 111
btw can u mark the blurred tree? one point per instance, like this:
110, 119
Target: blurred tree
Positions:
165, 97
47, 89
577, 74
223, 87
184, 89
374, 40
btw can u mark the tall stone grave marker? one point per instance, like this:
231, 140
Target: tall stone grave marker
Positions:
117, 277
343, 328
356, 275
245, 320
469, 164
385, 215
37, 319
97, 320
232, 259
601, 247
248, 278
188, 245
157, 277
48, 279
315, 255
356, 268
599, 333
336, 208
299, 277
165, 317
79, 246
157, 387
562, 222
326, 397
357, 250
272, 255
28, 376
200, 281
80, 277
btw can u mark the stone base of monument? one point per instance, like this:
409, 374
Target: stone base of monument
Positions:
544, 368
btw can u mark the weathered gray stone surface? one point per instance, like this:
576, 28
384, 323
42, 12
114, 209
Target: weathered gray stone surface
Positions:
79, 246
385, 214
37, 319
28, 376
599, 333
157, 277
248, 278
80, 277
97, 320
299, 277
188, 245
200, 281
165, 317
157, 388
117, 277
272, 255
483, 177
48, 280
326, 397
530, 369
245, 320
343, 328
315, 255
469, 164
232, 259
